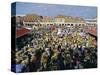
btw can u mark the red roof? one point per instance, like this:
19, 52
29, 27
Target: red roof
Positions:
92, 31
21, 31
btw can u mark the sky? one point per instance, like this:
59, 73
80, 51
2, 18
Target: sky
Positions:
23, 8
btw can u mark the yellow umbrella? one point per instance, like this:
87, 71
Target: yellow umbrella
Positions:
30, 49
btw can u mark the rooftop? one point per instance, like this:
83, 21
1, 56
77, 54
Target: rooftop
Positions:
21, 31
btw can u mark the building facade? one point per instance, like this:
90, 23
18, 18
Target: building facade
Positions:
34, 21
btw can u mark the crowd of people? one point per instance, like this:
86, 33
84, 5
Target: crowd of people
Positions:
48, 50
